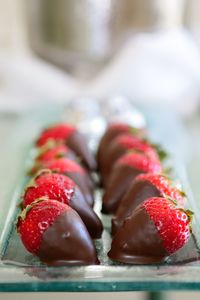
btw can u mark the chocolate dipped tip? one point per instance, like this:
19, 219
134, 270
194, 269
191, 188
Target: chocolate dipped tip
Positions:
109, 160
110, 133
90, 182
87, 214
138, 192
77, 142
67, 242
137, 241
81, 181
116, 224
119, 183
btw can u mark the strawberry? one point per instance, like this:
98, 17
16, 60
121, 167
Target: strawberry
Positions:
51, 185
62, 188
50, 151
58, 132
114, 130
55, 233
118, 127
54, 150
75, 172
142, 187
122, 144
64, 165
164, 185
72, 138
156, 229
140, 161
172, 223
124, 171
129, 142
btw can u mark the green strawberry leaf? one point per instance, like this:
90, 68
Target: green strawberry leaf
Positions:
23, 214
182, 193
190, 214
163, 155
171, 199
51, 143
168, 171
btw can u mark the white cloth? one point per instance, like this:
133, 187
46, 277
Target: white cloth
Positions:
154, 68
28, 81
163, 66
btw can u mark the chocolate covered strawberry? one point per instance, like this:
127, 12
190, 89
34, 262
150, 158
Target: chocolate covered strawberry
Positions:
114, 130
156, 229
50, 151
76, 173
145, 186
124, 171
72, 138
121, 145
61, 188
56, 234
54, 150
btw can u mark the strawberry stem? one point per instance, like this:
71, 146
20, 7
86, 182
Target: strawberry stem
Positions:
47, 146
159, 149
161, 152
190, 214
23, 214
32, 182
171, 199
134, 130
183, 194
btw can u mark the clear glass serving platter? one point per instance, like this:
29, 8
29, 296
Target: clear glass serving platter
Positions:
20, 271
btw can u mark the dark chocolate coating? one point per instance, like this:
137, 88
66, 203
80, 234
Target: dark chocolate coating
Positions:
81, 181
119, 182
90, 182
137, 193
87, 214
70, 155
110, 157
77, 142
104, 143
67, 242
137, 241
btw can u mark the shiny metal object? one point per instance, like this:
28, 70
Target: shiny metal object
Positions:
82, 35
75, 34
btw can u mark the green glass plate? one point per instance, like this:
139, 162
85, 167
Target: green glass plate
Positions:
21, 271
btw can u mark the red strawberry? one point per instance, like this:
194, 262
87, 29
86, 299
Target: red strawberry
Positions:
55, 233
76, 173
145, 186
62, 188
114, 130
120, 145
128, 142
52, 185
123, 173
59, 132
140, 161
54, 150
164, 185
172, 223
48, 152
156, 229
72, 138
64, 165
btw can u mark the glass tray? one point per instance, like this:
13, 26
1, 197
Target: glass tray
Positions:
20, 271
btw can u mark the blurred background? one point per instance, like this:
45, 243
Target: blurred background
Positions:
145, 50
56, 49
